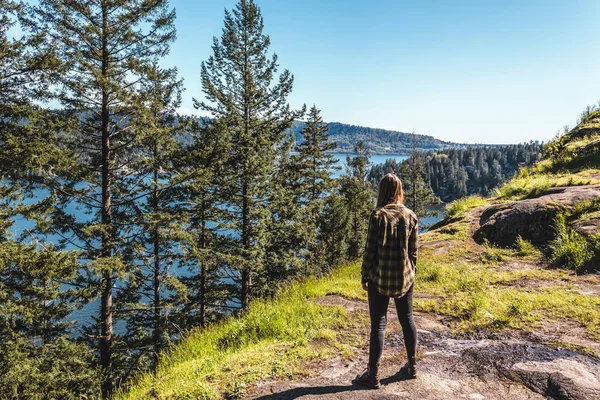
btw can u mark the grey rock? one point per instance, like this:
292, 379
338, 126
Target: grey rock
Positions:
562, 379
533, 218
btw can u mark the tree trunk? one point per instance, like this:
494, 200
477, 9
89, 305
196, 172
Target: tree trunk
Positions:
106, 305
203, 267
157, 333
246, 278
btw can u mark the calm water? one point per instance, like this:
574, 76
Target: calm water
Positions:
84, 316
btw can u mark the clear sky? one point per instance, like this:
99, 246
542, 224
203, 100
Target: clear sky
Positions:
485, 71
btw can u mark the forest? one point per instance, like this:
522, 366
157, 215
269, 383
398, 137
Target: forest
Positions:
379, 141
154, 223
458, 172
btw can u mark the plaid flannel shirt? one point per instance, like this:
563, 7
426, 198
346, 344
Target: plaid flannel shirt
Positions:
390, 257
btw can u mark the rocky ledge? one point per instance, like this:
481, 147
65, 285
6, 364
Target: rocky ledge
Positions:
533, 218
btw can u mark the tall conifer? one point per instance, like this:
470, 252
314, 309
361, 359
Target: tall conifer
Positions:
315, 167
418, 195
106, 47
154, 230
358, 196
37, 356
242, 90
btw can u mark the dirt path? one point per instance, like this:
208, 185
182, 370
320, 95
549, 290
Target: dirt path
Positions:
511, 365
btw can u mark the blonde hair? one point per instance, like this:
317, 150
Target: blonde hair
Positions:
390, 191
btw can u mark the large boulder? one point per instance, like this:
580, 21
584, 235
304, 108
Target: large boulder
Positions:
533, 218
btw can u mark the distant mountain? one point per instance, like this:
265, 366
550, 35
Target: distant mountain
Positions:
379, 141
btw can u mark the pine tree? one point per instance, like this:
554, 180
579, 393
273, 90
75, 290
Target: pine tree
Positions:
315, 165
334, 228
238, 84
358, 196
106, 48
418, 196
151, 248
286, 228
203, 201
37, 356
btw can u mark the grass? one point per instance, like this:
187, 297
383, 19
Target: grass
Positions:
480, 296
527, 184
456, 228
494, 254
459, 206
272, 339
584, 208
570, 249
524, 248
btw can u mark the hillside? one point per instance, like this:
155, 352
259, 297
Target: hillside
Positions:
379, 141
507, 299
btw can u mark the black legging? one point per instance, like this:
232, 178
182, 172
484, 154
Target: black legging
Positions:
378, 306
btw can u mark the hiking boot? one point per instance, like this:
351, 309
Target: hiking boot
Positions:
410, 368
368, 378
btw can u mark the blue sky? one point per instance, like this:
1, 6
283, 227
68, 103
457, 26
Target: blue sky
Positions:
465, 71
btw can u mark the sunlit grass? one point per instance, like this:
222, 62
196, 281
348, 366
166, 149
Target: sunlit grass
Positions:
524, 248
570, 249
271, 339
457, 207
526, 185
481, 297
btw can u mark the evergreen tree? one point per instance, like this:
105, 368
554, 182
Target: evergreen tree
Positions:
314, 165
454, 173
418, 196
334, 229
203, 201
358, 197
238, 84
37, 357
286, 229
107, 49
152, 245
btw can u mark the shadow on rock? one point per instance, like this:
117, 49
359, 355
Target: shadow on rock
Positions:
315, 390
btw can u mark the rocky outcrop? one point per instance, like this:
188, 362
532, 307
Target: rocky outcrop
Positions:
533, 218
558, 379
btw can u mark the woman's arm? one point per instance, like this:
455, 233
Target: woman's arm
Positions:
413, 245
370, 248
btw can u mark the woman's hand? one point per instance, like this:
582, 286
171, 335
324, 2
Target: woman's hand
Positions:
365, 285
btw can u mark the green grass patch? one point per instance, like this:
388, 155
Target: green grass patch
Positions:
456, 228
459, 206
494, 254
481, 297
525, 249
526, 184
272, 339
584, 208
570, 249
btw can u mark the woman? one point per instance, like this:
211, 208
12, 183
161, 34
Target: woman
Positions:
388, 270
